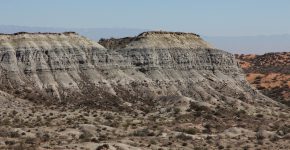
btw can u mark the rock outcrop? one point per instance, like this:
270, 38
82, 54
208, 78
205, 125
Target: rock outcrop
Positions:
145, 68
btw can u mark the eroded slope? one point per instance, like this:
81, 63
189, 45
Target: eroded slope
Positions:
166, 90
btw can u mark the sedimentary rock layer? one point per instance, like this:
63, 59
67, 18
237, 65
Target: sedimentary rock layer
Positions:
150, 66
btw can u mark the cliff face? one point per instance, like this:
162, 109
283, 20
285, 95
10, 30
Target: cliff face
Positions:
47, 62
147, 67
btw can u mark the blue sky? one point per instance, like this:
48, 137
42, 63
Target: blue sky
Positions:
206, 17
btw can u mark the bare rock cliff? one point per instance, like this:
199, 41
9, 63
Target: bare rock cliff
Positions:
138, 72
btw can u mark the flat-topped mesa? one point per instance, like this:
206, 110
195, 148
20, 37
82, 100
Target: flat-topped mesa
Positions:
44, 40
157, 40
148, 33
171, 50
37, 33
72, 67
48, 61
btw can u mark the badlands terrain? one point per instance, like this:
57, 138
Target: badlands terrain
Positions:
158, 90
269, 73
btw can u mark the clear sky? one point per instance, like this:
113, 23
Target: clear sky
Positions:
206, 17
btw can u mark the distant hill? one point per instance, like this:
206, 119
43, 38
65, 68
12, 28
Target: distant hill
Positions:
235, 44
252, 44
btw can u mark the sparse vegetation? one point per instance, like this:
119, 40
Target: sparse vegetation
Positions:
183, 137
190, 130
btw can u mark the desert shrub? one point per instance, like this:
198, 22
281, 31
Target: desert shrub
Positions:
85, 136
11, 134
126, 125
286, 103
221, 147
257, 79
152, 142
143, 132
260, 115
260, 137
176, 110
9, 142
261, 88
112, 123
14, 134
103, 137
14, 112
184, 144
242, 97
241, 112
285, 129
44, 137
207, 128
223, 98
274, 138
146, 110
17, 92
25, 144
183, 137
94, 140
200, 148
109, 116
103, 147
5, 121
30, 140
190, 130
196, 107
